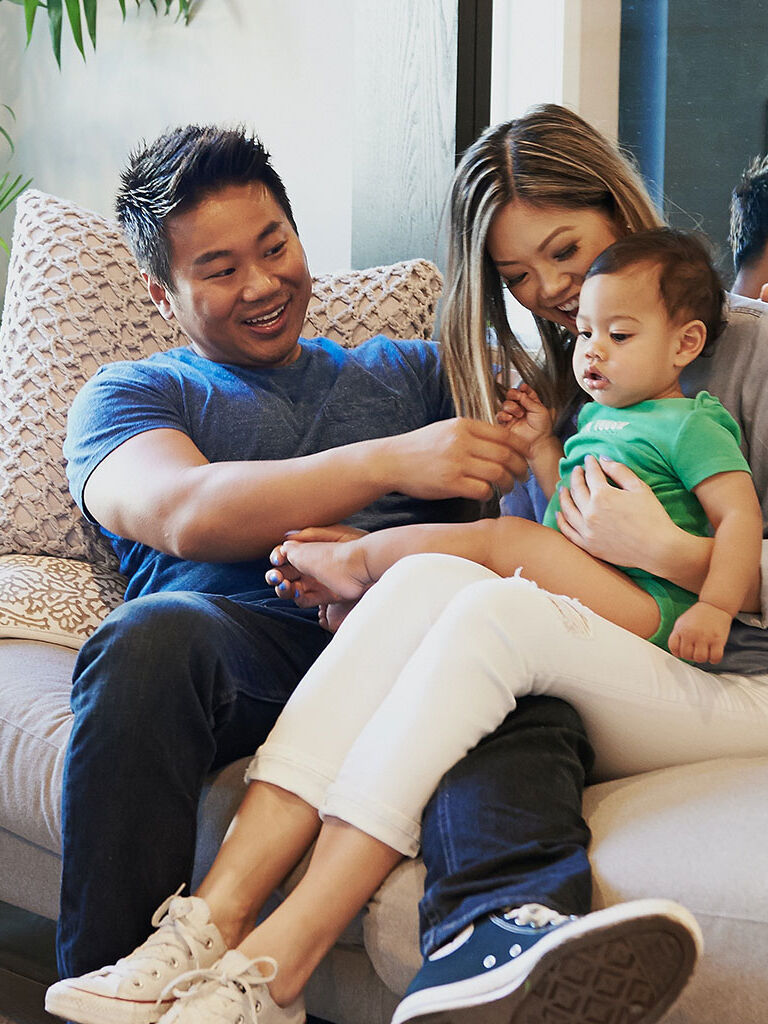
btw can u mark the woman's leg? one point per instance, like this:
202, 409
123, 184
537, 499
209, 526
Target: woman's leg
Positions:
344, 688
277, 822
502, 639
346, 869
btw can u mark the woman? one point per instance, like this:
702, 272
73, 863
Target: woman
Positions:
533, 203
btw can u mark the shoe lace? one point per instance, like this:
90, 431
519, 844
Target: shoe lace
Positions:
171, 937
218, 991
537, 915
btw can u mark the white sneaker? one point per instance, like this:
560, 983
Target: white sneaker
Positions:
233, 991
130, 991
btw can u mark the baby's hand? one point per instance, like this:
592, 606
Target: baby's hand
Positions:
528, 420
700, 633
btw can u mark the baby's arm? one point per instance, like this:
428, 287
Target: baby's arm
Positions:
530, 424
731, 505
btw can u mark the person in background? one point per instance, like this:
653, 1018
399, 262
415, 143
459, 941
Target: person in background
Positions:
749, 231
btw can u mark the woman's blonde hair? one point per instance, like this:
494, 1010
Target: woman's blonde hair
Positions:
548, 157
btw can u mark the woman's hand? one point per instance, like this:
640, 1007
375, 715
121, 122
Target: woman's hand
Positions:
625, 524
291, 585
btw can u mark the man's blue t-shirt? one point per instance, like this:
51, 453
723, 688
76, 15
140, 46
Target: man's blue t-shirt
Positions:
330, 396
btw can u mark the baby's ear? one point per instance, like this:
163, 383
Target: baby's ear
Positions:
691, 337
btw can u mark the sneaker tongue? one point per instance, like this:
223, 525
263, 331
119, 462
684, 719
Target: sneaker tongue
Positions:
189, 908
233, 963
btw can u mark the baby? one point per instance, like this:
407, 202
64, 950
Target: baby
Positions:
649, 305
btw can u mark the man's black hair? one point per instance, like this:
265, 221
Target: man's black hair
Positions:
177, 171
689, 285
749, 214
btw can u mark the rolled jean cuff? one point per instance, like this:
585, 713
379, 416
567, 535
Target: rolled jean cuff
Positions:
307, 778
434, 936
383, 823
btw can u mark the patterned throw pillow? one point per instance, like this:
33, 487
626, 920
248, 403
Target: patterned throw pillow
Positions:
57, 600
75, 300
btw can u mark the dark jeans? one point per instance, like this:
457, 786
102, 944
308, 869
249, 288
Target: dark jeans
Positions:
171, 686
505, 826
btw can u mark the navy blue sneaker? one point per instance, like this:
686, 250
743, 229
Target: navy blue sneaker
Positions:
623, 965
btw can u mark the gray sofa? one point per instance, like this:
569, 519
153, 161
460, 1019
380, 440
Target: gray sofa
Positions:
698, 834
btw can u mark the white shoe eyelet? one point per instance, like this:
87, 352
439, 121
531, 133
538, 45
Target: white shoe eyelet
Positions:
155, 973
208, 943
515, 950
174, 962
241, 1019
257, 1006
489, 961
137, 983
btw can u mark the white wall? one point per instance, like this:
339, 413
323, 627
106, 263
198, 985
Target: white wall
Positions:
557, 51
297, 71
230, 64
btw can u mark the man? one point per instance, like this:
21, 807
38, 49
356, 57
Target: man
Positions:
749, 231
196, 462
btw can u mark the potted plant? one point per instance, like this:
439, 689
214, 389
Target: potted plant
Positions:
79, 11
10, 187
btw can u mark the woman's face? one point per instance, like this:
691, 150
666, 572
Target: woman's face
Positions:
543, 252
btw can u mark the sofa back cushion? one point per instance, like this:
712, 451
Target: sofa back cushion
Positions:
75, 300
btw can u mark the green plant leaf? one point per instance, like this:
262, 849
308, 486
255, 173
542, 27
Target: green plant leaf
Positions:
122, 7
7, 138
54, 23
30, 10
10, 192
89, 6
73, 12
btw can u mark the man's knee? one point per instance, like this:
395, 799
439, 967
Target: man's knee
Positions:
143, 645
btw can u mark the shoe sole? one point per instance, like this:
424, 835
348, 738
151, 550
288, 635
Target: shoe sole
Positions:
614, 971
88, 1008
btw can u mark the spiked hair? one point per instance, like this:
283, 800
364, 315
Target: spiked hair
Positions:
177, 171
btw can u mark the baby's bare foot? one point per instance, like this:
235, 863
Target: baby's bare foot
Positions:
339, 567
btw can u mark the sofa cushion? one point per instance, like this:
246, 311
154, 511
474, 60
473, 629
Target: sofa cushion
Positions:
693, 833
35, 722
75, 300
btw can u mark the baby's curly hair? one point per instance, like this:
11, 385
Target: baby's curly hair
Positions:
689, 285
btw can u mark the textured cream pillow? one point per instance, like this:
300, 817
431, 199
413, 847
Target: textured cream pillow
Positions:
56, 600
74, 301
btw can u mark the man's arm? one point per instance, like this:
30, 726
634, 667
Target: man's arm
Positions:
157, 487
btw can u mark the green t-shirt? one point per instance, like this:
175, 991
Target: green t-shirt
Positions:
673, 444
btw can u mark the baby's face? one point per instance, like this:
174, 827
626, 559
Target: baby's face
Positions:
626, 348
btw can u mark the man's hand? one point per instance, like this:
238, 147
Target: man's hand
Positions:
291, 585
616, 524
453, 458
700, 633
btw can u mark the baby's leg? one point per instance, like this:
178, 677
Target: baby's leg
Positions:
502, 545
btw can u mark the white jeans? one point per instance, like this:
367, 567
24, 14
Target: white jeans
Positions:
433, 658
